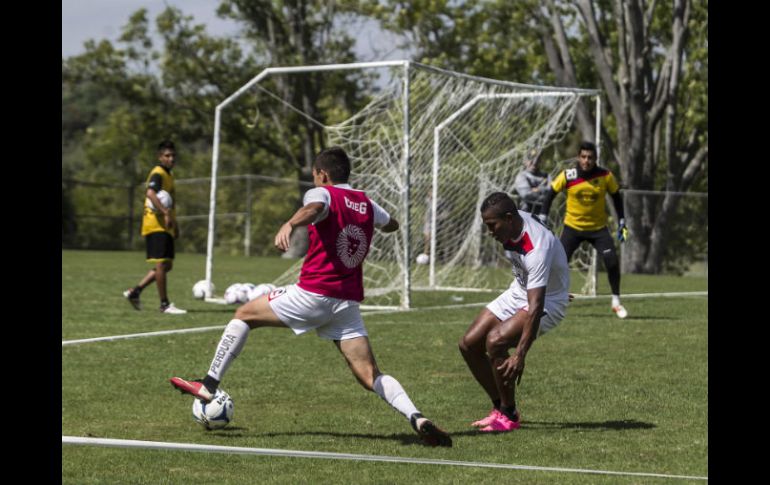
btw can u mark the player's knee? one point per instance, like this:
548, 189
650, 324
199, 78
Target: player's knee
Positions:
467, 346
248, 315
496, 343
463, 345
169, 265
241, 313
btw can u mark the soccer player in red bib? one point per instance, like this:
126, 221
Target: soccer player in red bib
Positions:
341, 222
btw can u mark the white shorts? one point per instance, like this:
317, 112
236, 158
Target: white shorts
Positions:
302, 310
507, 305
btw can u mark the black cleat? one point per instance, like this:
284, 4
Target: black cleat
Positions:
430, 434
133, 299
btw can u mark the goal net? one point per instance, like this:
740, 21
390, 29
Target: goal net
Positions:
429, 145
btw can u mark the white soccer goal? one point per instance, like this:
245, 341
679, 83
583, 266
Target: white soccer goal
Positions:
429, 146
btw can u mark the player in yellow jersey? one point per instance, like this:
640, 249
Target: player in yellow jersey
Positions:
586, 214
159, 229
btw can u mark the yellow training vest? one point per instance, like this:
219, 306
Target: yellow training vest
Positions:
152, 220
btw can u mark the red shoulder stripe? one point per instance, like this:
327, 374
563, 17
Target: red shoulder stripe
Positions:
599, 173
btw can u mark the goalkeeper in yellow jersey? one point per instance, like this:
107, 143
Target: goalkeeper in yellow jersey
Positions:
586, 185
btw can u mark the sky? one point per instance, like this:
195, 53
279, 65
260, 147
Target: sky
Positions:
102, 19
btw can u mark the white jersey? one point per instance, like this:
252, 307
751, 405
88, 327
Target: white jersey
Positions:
538, 260
319, 194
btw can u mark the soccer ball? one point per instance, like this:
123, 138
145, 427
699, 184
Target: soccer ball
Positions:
215, 414
260, 290
232, 293
423, 258
164, 198
199, 289
243, 292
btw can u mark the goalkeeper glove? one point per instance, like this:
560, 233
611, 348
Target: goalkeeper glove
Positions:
622, 231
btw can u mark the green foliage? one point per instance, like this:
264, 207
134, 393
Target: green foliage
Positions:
475, 37
692, 219
119, 101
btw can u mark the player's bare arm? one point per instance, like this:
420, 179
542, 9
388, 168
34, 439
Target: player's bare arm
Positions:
512, 368
391, 226
304, 216
168, 221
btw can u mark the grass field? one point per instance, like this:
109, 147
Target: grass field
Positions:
598, 393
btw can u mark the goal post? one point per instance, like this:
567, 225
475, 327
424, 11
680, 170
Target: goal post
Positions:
428, 145
446, 124
216, 145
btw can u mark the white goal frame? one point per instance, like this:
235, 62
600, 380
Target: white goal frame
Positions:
532, 90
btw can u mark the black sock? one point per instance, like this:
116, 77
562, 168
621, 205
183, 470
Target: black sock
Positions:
210, 383
509, 411
136, 290
496, 404
164, 303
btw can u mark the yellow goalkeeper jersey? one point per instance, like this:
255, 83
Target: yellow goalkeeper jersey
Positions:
586, 207
152, 220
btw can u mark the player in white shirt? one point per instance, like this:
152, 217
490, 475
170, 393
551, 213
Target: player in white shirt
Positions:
535, 303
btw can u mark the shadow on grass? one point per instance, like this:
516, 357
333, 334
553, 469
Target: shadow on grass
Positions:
407, 439
403, 438
410, 439
604, 425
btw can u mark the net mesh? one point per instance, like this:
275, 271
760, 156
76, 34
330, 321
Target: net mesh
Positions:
467, 137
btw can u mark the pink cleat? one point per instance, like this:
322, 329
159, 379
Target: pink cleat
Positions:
502, 424
493, 415
194, 388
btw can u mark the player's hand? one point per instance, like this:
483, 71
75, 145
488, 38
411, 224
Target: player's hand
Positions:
168, 220
512, 369
622, 231
283, 237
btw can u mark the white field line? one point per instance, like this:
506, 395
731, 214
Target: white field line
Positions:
380, 312
648, 295
577, 297
139, 335
158, 445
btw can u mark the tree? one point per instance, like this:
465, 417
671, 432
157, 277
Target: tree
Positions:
650, 59
172, 92
657, 131
289, 33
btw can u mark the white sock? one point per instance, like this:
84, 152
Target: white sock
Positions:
615, 300
391, 391
230, 345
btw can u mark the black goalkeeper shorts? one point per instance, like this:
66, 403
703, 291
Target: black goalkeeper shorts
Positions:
601, 240
160, 247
